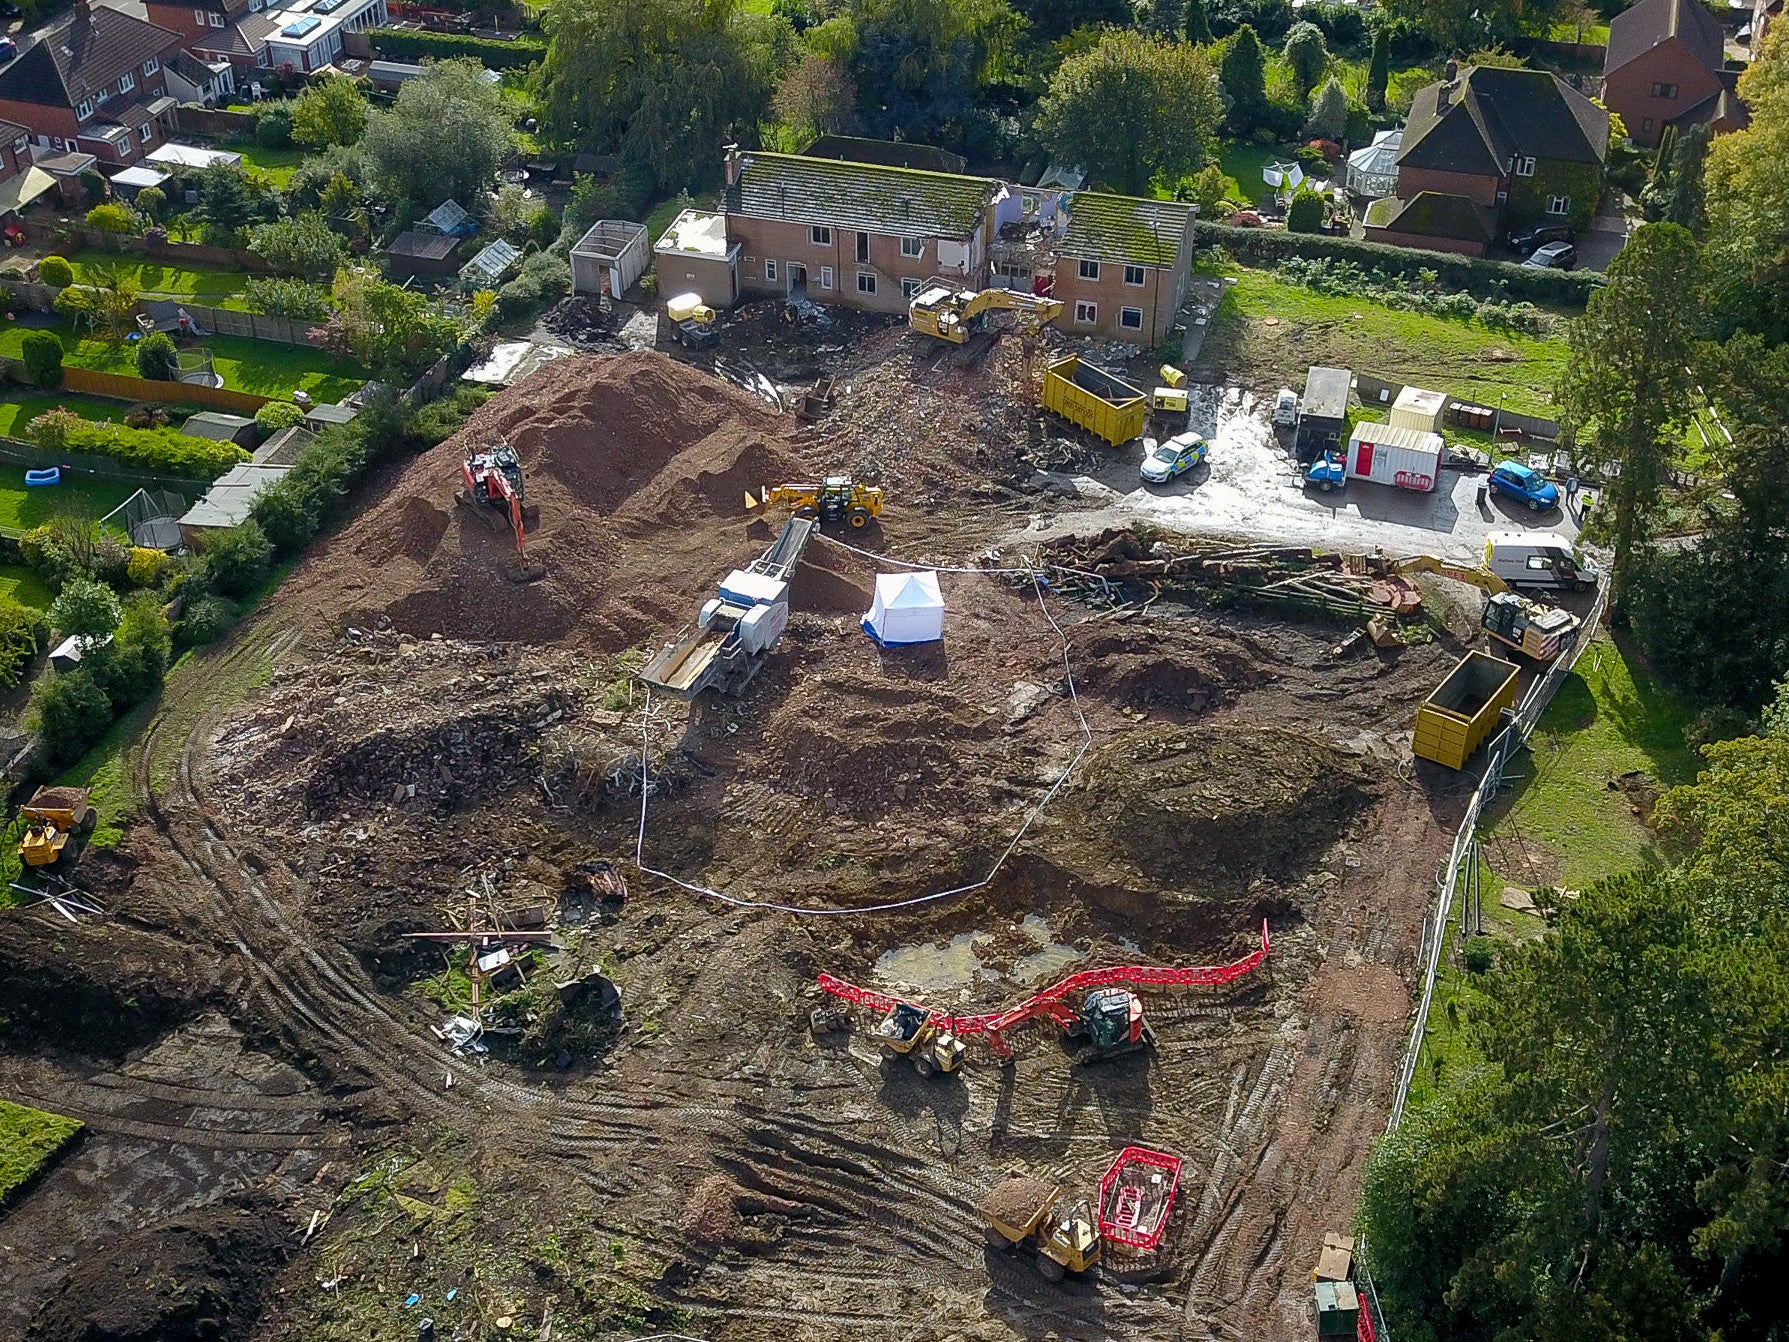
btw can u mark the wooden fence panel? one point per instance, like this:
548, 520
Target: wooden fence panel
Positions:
173, 393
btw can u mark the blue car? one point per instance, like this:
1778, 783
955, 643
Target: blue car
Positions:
1514, 480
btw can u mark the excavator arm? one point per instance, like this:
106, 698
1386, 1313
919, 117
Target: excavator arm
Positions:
1472, 575
1042, 310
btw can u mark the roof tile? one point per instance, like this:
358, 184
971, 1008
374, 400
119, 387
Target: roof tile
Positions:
833, 193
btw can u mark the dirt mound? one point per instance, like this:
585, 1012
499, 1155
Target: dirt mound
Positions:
720, 1212
1173, 668
636, 469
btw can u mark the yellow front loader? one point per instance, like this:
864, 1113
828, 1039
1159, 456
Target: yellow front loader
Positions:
952, 314
836, 498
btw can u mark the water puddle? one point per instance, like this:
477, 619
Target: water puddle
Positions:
937, 966
1050, 960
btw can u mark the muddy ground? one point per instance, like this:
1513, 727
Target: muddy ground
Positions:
278, 1145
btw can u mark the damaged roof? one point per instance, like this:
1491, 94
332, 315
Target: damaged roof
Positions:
834, 193
1125, 229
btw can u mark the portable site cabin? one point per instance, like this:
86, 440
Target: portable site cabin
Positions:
1402, 458
1323, 412
907, 608
1418, 409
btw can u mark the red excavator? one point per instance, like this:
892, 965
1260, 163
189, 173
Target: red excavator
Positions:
493, 478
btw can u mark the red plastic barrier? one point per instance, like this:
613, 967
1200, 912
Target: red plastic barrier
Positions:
993, 1025
1114, 1228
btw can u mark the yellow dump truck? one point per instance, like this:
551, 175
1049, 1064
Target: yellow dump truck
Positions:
1102, 403
1029, 1213
57, 819
1464, 709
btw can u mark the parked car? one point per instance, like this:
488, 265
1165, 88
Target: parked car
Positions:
1554, 256
8, 49
1172, 457
1515, 481
1285, 409
1328, 472
1529, 238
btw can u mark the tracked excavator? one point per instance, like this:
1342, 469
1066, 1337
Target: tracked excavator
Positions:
735, 629
493, 479
948, 313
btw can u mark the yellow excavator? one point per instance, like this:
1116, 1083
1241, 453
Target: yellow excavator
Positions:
1029, 1212
837, 498
1473, 575
57, 821
953, 314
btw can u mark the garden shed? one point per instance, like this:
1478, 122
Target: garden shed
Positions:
420, 255
611, 257
221, 428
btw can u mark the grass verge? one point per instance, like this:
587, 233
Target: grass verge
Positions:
16, 413
1277, 330
23, 508
25, 586
29, 1139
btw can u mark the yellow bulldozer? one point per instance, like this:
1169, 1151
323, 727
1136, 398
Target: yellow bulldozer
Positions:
948, 313
57, 821
1029, 1213
837, 498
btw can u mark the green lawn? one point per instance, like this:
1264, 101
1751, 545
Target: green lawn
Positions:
258, 366
278, 164
1242, 161
29, 1138
213, 288
1594, 34
661, 215
16, 412
24, 586
1269, 333
22, 508
1562, 821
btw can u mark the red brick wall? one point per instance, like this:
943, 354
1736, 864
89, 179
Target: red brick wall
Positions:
1392, 238
1628, 90
180, 19
1478, 189
1109, 294
762, 240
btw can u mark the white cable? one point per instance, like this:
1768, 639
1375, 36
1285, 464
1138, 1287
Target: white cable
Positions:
1037, 582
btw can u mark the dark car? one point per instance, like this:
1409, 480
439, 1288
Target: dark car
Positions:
1530, 238
1554, 256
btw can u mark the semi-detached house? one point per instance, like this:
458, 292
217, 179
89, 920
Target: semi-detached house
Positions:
870, 235
93, 84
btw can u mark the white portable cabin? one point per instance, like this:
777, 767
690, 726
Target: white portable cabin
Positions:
1387, 455
908, 608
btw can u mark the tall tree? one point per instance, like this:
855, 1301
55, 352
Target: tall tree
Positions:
443, 138
918, 63
1628, 382
1132, 109
330, 111
816, 98
1242, 70
1464, 25
1197, 25
1307, 55
1748, 200
1379, 67
1329, 113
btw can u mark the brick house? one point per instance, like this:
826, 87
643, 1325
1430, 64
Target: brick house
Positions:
1666, 65
21, 181
1520, 146
1122, 266
93, 85
196, 19
870, 235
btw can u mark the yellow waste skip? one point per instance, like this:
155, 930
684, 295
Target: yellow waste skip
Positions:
1465, 709
1102, 403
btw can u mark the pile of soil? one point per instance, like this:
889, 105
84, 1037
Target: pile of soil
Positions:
1015, 1199
637, 466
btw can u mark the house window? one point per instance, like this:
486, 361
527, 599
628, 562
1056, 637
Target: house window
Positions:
909, 289
150, 66
1131, 319
1090, 271
1559, 204
1133, 276
217, 20
146, 132
1086, 314
770, 270
866, 282
1524, 167
913, 247
126, 82
84, 109
1645, 125
821, 236
863, 248
1664, 90
826, 277
199, 17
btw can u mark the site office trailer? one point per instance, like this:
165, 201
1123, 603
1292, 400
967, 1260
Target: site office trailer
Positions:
1402, 458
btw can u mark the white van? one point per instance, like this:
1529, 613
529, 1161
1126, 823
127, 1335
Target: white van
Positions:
1539, 559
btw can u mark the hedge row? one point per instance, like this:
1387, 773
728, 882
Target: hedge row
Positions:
1498, 279
404, 44
156, 451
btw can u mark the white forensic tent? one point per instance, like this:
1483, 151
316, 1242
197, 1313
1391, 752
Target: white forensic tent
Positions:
908, 608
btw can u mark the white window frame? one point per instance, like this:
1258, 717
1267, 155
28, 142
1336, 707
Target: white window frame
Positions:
199, 17
770, 270
1089, 270
820, 235
150, 66
826, 277
1086, 314
126, 82
913, 248
146, 131
1524, 167
1138, 271
83, 109
1124, 319
910, 289
217, 20
866, 281
1561, 205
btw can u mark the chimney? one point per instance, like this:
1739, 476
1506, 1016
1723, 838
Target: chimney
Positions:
84, 13
1453, 71
734, 158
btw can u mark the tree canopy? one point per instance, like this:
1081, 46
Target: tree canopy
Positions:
330, 111
1748, 200
442, 139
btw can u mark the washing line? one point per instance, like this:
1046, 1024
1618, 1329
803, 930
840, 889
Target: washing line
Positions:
737, 901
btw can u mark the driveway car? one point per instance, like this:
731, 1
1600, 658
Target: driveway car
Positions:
1554, 256
1513, 480
1539, 236
1285, 409
1172, 457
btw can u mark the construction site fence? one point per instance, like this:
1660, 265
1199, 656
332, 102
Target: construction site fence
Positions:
1498, 755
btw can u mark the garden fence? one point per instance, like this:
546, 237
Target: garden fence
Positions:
173, 393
